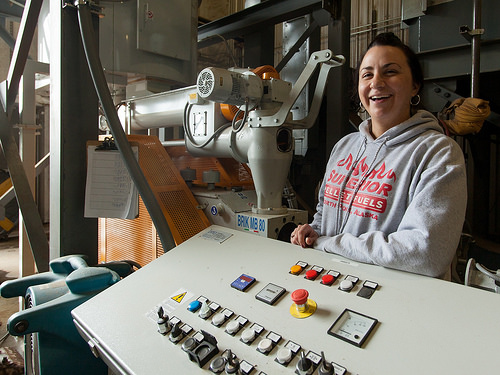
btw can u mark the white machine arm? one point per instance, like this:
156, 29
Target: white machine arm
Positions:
262, 138
327, 60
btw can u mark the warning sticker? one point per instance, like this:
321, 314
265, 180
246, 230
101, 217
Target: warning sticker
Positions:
170, 304
179, 297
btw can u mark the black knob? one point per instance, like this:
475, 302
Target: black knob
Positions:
176, 333
304, 365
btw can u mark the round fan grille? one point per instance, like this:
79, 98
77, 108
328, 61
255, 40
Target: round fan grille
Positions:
205, 83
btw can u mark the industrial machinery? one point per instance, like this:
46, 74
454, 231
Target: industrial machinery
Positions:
52, 344
262, 137
229, 302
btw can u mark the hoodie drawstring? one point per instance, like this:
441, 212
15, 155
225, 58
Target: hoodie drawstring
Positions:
359, 154
357, 187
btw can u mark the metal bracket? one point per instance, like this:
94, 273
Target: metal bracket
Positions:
468, 33
327, 60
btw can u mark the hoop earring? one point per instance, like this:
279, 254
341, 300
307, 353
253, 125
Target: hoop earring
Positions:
417, 102
361, 108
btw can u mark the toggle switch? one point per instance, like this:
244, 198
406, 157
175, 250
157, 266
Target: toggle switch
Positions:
304, 365
326, 368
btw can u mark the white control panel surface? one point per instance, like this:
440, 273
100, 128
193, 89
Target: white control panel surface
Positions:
385, 322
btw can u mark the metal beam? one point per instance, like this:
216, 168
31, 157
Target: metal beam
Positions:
260, 15
305, 35
11, 10
7, 38
73, 121
21, 50
32, 221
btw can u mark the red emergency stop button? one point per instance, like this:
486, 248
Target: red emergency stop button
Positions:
299, 296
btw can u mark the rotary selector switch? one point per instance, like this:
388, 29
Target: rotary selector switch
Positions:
232, 364
162, 322
205, 310
176, 333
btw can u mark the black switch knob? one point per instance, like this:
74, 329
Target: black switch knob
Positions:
175, 333
304, 365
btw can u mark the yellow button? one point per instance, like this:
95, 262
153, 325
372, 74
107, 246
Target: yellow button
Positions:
296, 269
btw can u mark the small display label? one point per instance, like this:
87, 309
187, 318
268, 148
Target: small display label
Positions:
243, 282
270, 294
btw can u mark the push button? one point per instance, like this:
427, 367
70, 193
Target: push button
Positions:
284, 356
194, 306
327, 279
311, 274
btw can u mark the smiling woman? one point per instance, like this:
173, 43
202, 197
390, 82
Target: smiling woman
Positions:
412, 221
389, 77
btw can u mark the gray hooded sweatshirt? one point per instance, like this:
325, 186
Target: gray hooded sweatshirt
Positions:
402, 197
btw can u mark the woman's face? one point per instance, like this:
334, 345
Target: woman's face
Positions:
386, 86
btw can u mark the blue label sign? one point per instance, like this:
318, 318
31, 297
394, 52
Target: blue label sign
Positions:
251, 224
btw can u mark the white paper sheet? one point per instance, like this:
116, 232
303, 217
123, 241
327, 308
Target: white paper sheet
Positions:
110, 191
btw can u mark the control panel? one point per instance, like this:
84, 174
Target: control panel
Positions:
228, 302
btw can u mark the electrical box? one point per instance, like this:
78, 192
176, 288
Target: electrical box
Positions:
151, 37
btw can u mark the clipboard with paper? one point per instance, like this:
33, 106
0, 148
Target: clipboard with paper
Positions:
109, 191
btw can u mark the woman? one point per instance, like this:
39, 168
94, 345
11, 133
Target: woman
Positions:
394, 193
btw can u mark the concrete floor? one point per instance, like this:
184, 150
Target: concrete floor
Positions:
9, 269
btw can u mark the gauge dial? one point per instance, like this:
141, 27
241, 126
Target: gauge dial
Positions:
352, 327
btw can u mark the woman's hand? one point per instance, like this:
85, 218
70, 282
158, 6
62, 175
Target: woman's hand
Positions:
304, 236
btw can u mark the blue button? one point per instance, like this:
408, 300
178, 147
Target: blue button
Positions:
194, 306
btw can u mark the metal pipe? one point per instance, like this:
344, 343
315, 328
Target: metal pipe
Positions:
101, 86
173, 143
476, 49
